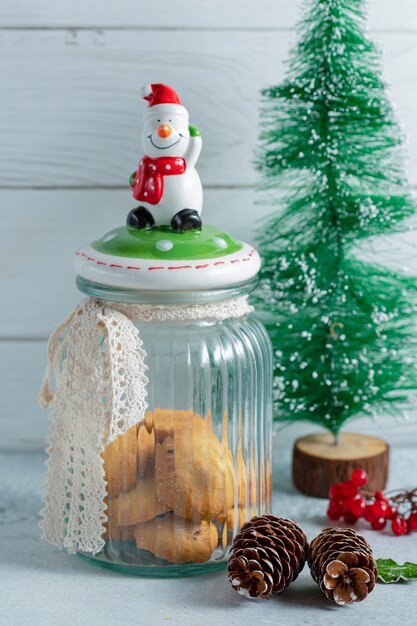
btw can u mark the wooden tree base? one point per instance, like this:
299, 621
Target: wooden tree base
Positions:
318, 462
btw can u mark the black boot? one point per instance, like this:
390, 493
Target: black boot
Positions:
187, 219
140, 218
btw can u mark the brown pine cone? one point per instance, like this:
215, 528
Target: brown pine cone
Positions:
342, 563
266, 556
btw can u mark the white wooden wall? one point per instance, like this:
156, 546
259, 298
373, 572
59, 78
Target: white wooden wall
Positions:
70, 116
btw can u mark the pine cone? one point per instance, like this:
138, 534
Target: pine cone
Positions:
342, 563
266, 556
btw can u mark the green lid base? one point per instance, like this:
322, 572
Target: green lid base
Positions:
163, 243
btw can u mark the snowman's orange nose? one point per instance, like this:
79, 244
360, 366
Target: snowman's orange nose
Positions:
164, 130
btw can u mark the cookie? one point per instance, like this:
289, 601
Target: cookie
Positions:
120, 463
145, 451
192, 474
241, 516
139, 504
165, 422
113, 530
177, 540
173, 462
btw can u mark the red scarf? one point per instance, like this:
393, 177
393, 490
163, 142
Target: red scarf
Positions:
148, 183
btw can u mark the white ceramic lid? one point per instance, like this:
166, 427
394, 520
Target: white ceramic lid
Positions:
160, 259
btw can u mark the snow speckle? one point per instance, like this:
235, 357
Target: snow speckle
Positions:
164, 245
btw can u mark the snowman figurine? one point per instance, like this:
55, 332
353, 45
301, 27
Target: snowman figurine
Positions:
166, 183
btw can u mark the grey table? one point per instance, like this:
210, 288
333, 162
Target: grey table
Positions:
40, 585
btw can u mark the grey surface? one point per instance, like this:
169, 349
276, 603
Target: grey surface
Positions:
41, 586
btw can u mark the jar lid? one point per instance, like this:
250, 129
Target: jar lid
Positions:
165, 260
165, 246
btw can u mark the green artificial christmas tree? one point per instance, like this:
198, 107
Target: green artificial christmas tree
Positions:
343, 328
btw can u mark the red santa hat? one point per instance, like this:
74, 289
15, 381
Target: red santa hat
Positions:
163, 99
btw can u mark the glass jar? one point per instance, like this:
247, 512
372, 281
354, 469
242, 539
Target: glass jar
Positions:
183, 480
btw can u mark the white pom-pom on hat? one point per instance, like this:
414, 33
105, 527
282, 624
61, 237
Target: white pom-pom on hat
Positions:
146, 90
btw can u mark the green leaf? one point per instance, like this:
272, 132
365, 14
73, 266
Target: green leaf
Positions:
391, 572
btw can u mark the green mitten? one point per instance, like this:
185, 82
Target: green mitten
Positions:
194, 132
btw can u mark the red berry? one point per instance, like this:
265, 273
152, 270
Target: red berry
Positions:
359, 477
412, 521
357, 506
391, 512
380, 496
369, 513
332, 515
379, 524
380, 508
346, 505
335, 492
399, 526
335, 505
350, 518
349, 489
335, 510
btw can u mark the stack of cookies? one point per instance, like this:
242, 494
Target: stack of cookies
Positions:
175, 488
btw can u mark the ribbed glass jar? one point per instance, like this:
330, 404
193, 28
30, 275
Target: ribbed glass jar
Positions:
183, 480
